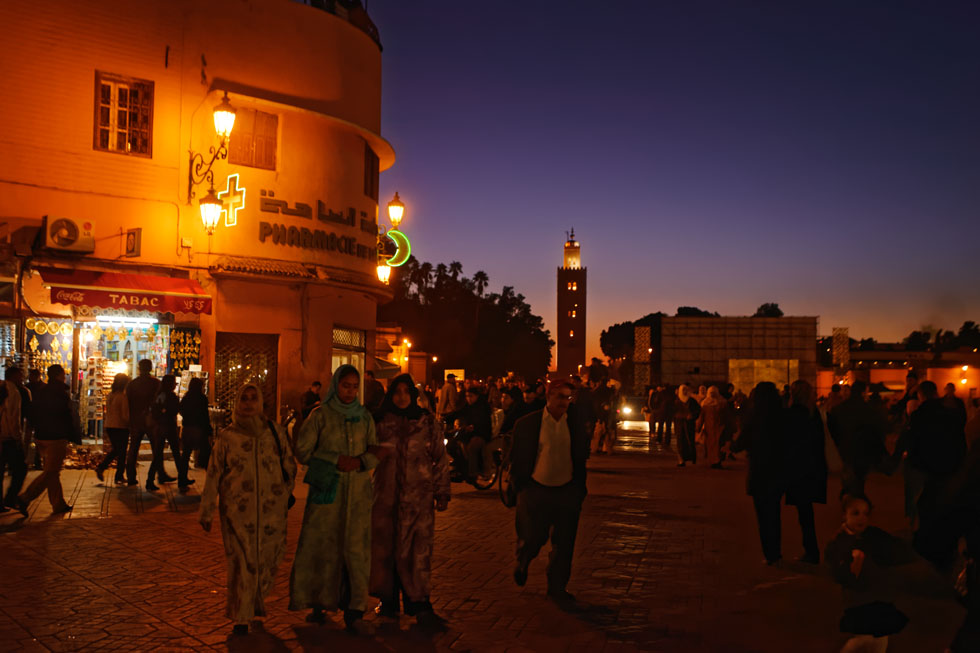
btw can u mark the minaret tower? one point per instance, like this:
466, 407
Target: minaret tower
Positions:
571, 309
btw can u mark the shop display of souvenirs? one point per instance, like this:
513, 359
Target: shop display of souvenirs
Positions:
185, 349
49, 342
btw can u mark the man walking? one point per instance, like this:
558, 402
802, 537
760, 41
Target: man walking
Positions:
11, 448
548, 473
141, 392
55, 425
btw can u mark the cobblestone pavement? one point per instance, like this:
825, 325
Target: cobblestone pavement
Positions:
667, 559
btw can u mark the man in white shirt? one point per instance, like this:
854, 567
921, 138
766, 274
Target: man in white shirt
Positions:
548, 472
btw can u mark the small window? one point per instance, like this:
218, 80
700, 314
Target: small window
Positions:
574, 285
571, 334
371, 166
573, 313
253, 140
123, 115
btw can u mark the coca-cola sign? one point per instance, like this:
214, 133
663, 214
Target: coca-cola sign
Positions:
145, 301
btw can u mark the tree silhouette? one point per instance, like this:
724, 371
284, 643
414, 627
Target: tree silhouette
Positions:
769, 309
453, 319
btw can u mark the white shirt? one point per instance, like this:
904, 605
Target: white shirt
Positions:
554, 464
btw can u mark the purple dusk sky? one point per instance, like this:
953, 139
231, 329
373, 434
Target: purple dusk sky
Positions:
722, 154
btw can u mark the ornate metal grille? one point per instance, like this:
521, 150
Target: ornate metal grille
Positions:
350, 339
241, 358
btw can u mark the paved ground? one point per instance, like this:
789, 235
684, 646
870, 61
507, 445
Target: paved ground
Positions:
667, 560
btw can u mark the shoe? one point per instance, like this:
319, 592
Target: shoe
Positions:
385, 610
682, 464
119, 480
20, 505
62, 509
166, 479
316, 617
360, 627
772, 563
240, 629
520, 575
430, 620
151, 486
98, 475
132, 482
562, 599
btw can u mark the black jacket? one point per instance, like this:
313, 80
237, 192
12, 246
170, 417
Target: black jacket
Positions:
858, 432
194, 411
476, 415
164, 410
937, 446
54, 417
140, 392
806, 460
524, 450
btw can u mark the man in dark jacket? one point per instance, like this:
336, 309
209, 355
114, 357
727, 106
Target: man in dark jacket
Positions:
34, 383
310, 399
548, 472
374, 392
55, 424
477, 429
163, 412
141, 392
859, 433
937, 448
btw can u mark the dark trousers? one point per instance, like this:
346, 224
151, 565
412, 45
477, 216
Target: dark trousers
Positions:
664, 429
190, 439
474, 455
12, 459
686, 449
770, 530
118, 440
135, 440
804, 512
158, 443
548, 511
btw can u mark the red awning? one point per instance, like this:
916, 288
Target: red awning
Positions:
137, 292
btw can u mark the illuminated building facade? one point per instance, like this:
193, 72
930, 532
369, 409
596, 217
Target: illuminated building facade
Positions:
105, 104
571, 308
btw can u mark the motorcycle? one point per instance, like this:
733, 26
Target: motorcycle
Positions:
459, 467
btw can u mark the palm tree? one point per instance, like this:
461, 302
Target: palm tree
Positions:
481, 280
425, 278
454, 269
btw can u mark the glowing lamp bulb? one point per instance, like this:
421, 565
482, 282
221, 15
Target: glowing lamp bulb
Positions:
384, 273
966, 367
963, 381
210, 211
224, 118
396, 210
627, 410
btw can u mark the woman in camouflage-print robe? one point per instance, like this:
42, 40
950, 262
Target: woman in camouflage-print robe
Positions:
250, 478
410, 484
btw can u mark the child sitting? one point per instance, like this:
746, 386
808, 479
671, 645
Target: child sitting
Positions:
857, 557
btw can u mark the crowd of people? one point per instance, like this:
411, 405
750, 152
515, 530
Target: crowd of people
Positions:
378, 471
793, 440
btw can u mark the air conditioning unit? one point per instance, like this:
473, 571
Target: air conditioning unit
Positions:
69, 234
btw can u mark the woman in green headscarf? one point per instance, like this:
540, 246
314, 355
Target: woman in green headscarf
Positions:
251, 470
333, 559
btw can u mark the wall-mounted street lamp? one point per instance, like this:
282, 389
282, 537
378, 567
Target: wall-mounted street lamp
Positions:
200, 171
403, 248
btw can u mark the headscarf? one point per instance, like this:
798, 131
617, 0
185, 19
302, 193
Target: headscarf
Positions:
713, 397
251, 424
412, 411
683, 392
354, 410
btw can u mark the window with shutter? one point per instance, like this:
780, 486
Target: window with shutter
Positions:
253, 142
123, 115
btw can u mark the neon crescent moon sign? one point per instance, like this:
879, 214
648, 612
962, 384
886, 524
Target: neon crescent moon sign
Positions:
404, 248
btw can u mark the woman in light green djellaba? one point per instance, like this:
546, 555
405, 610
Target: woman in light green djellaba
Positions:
333, 559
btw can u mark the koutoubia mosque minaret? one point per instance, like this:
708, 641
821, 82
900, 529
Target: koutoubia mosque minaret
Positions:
571, 309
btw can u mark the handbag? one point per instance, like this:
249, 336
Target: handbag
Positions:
323, 478
282, 464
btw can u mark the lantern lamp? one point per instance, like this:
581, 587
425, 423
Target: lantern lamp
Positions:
384, 273
224, 118
211, 208
395, 211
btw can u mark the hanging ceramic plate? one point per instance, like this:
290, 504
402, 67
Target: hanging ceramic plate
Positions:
53, 327
66, 329
40, 328
29, 323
